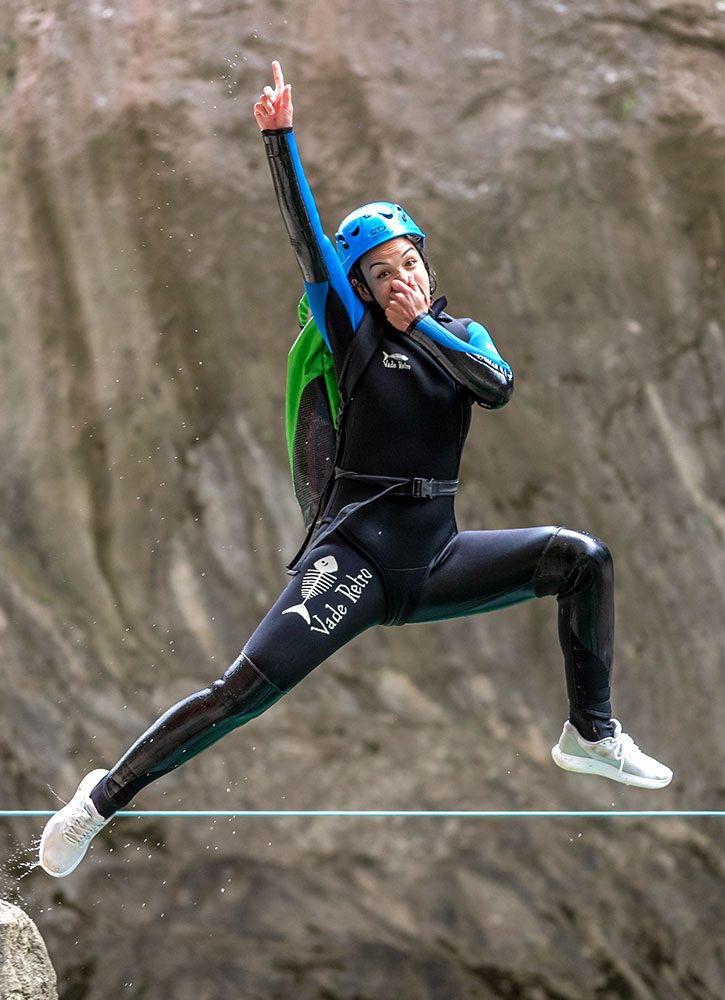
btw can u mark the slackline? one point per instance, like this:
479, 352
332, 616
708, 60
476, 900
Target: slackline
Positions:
401, 813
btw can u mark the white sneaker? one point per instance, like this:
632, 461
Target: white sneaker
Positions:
617, 757
67, 835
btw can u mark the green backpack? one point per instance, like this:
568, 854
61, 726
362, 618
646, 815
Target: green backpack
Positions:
312, 404
315, 406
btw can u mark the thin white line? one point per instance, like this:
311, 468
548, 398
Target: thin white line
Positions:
402, 813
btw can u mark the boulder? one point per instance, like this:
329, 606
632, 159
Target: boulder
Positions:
26, 972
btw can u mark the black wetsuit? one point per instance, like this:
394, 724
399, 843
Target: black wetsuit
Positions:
394, 558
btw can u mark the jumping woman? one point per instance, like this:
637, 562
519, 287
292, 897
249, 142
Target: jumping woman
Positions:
385, 548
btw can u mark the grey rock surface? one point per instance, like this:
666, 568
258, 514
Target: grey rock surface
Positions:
566, 160
26, 972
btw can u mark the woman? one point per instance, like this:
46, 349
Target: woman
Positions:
386, 548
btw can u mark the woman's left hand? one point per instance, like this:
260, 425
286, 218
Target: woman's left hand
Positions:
406, 302
274, 107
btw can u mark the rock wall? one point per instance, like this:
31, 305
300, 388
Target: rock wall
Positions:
566, 160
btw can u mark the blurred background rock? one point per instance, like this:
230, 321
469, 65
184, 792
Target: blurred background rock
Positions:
567, 161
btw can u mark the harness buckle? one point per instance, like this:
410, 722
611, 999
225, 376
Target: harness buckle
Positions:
423, 488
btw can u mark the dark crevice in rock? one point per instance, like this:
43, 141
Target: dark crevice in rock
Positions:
8, 67
78, 980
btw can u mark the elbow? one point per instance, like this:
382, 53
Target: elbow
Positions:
502, 392
507, 390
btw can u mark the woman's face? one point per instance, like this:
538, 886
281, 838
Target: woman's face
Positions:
397, 258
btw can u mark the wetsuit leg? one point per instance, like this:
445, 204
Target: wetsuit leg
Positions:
337, 594
485, 570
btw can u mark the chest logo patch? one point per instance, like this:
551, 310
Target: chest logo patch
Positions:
399, 361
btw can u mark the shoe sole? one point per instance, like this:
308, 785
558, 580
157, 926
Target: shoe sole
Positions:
86, 785
585, 765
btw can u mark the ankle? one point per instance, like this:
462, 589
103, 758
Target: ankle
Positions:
102, 800
591, 727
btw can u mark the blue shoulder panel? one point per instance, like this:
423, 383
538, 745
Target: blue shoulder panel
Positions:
480, 341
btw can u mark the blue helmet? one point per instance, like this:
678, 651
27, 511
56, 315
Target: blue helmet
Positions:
368, 227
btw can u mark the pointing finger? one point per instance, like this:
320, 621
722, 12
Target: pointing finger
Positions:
277, 74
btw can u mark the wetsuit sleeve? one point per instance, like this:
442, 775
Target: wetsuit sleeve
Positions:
337, 310
467, 352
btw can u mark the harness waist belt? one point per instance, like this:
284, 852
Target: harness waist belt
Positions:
413, 486
416, 486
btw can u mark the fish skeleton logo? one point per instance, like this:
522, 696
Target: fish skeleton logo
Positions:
317, 580
395, 360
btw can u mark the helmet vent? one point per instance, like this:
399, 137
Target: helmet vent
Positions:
355, 231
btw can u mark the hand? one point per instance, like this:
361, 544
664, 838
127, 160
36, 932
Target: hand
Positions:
274, 107
407, 301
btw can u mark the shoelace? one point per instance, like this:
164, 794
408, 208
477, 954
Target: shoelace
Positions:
622, 744
80, 826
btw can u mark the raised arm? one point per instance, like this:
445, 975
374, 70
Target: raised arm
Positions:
336, 308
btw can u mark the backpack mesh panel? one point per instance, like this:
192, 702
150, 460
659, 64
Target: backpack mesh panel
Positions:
314, 448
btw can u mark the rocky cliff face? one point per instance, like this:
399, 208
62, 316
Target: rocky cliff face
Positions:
566, 160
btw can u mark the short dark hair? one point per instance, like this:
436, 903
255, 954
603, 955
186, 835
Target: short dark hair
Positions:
416, 240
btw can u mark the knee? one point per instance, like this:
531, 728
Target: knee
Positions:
243, 691
587, 549
573, 558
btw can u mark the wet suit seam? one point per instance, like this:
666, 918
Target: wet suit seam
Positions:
440, 556
362, 551
542, 557
264, 677
566, 642
429, 569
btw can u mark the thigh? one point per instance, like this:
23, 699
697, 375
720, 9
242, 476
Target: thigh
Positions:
482, 571
337, 594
